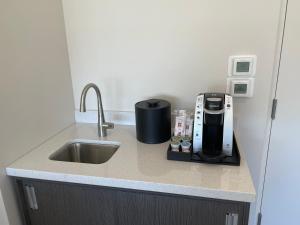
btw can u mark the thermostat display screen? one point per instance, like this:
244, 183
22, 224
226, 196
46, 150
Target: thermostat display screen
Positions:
242, 67
240, 88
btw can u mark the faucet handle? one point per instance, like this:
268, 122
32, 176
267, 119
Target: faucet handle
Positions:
108, 125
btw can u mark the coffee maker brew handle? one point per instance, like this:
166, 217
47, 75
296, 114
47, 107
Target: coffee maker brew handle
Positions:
214, 112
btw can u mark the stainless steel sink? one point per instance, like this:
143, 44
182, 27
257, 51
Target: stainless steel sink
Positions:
85, 152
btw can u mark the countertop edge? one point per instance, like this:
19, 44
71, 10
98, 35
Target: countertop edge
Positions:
133, 184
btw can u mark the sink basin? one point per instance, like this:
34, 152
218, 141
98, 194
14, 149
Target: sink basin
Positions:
85, 152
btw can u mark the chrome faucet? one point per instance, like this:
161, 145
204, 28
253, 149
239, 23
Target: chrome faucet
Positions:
102, 125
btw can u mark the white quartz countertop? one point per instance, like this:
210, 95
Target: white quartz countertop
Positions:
135, 166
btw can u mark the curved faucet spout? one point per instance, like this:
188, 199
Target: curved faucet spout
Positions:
102, 125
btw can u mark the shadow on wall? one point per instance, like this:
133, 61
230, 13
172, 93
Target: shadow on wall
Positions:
3, 215
7, 187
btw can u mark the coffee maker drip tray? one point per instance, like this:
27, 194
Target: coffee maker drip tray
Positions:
222, 159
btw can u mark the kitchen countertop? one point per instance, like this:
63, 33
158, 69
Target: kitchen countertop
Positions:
135, 166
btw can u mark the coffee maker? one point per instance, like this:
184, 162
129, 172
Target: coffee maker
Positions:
213, 125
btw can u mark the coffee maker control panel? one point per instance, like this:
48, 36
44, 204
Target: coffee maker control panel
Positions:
228, 126
198, 120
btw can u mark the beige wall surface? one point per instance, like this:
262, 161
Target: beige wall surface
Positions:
137, 49
36, 98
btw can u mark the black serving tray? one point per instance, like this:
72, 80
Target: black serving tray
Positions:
233, 160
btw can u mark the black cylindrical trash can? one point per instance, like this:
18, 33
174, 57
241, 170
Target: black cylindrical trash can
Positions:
153, 121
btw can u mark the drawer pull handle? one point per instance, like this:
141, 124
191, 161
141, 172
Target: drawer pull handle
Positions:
31, 197
232, 219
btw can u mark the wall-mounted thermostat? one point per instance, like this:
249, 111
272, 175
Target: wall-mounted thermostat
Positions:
242, 65
238, 87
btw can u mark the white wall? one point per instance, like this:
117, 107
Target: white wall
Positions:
137, 49
36, 98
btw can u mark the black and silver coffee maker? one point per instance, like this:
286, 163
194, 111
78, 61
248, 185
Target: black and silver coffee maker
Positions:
213, 125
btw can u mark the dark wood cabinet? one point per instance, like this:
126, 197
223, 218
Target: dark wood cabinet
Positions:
56, 203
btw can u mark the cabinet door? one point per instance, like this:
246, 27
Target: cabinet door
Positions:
72, 204
135, 208
198, 211
146, 208
63, 204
